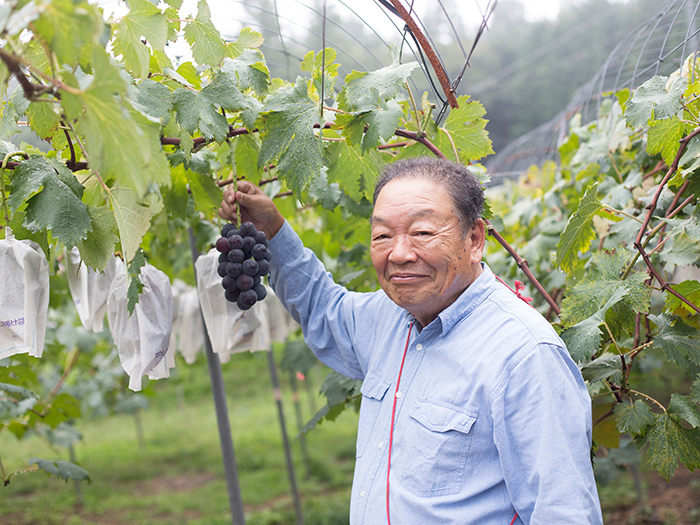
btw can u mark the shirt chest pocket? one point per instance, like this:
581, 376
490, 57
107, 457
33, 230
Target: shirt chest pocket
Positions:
432, 448
373, 390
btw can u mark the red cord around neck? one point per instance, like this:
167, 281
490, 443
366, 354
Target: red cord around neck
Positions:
391, 430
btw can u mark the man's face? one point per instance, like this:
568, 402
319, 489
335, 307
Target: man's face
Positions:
422, 259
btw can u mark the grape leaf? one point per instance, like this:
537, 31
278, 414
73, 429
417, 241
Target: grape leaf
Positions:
43, 118
53, 200
465, 130
68, 26
143, 20
135, 286
289, 118
664, 137
297, 357
205, 39
62, 469
133, 218
119, 142
635, 418
97, 249
249, 70
200, 109
668, 442
13, 109
175, 197
356, 173
246, 155
247, 39
688, 289
678, 341
583, 339
604, 367
153, 99
683, 409
578, 232
653, 98
321, 66
206, 193
685, 248
602, 281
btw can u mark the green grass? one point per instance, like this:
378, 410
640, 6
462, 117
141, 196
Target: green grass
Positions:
178, 477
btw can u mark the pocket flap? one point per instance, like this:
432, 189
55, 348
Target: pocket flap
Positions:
442, 417
374, 386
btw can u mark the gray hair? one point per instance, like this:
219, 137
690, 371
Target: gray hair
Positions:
462, 186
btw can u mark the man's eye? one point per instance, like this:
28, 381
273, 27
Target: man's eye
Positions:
423, 233
380, 237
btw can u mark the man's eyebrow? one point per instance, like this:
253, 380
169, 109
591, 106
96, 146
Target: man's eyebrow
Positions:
416, 214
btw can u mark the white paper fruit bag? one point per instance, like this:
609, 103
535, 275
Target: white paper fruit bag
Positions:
89, 289
24, 297
187, 336
143, 337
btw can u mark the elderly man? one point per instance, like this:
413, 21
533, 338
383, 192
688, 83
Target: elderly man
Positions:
472, 410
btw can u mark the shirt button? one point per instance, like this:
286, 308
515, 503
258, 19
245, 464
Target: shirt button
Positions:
363, 494
419, 346
381, 444
399, 394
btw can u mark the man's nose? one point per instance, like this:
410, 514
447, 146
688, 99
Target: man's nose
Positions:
402, 250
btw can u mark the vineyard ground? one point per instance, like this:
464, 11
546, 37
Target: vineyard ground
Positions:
177, 478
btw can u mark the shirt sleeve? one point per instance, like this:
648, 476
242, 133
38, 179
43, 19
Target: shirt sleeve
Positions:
542, 430
323, 308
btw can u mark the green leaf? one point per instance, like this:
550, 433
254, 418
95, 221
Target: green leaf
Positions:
578, 232
464, 130
363, 91
603, 280
356, 173
249, 70
201, 109
120, 143
683, 409
133, 218
246, 155
206, 193
685, 248
153, 100
653, 98
143, 20
204, 38
668, 442
583, 339
43, 118
604, 367
324, 72
688, 289
678, 341
175, 197
664, 137
53, 200
135, 286
97, 249
289, 120
62, 469
297, 357
247, 39
635, 418
68, 26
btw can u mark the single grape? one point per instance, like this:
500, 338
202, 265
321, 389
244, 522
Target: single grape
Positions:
263, 267
227, 228
256, 280
268, 255
246, 299
260, 237
235, 242
250, 267
259, 251
233, 269
229, 283
244, 282
236, 256
247, 228
232, 295
248, 243
223, 257
260, 291
222, 269
222, 245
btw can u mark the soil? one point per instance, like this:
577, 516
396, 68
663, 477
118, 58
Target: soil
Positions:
676, 502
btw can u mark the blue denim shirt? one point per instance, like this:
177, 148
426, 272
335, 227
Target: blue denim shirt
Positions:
492, 414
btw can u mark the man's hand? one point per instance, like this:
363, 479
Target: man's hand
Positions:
255, 207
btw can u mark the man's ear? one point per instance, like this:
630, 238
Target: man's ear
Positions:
477, 236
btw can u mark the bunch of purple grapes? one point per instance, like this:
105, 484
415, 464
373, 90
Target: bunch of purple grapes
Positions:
244, 260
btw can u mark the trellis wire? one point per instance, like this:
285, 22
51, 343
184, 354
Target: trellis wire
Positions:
656, 47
